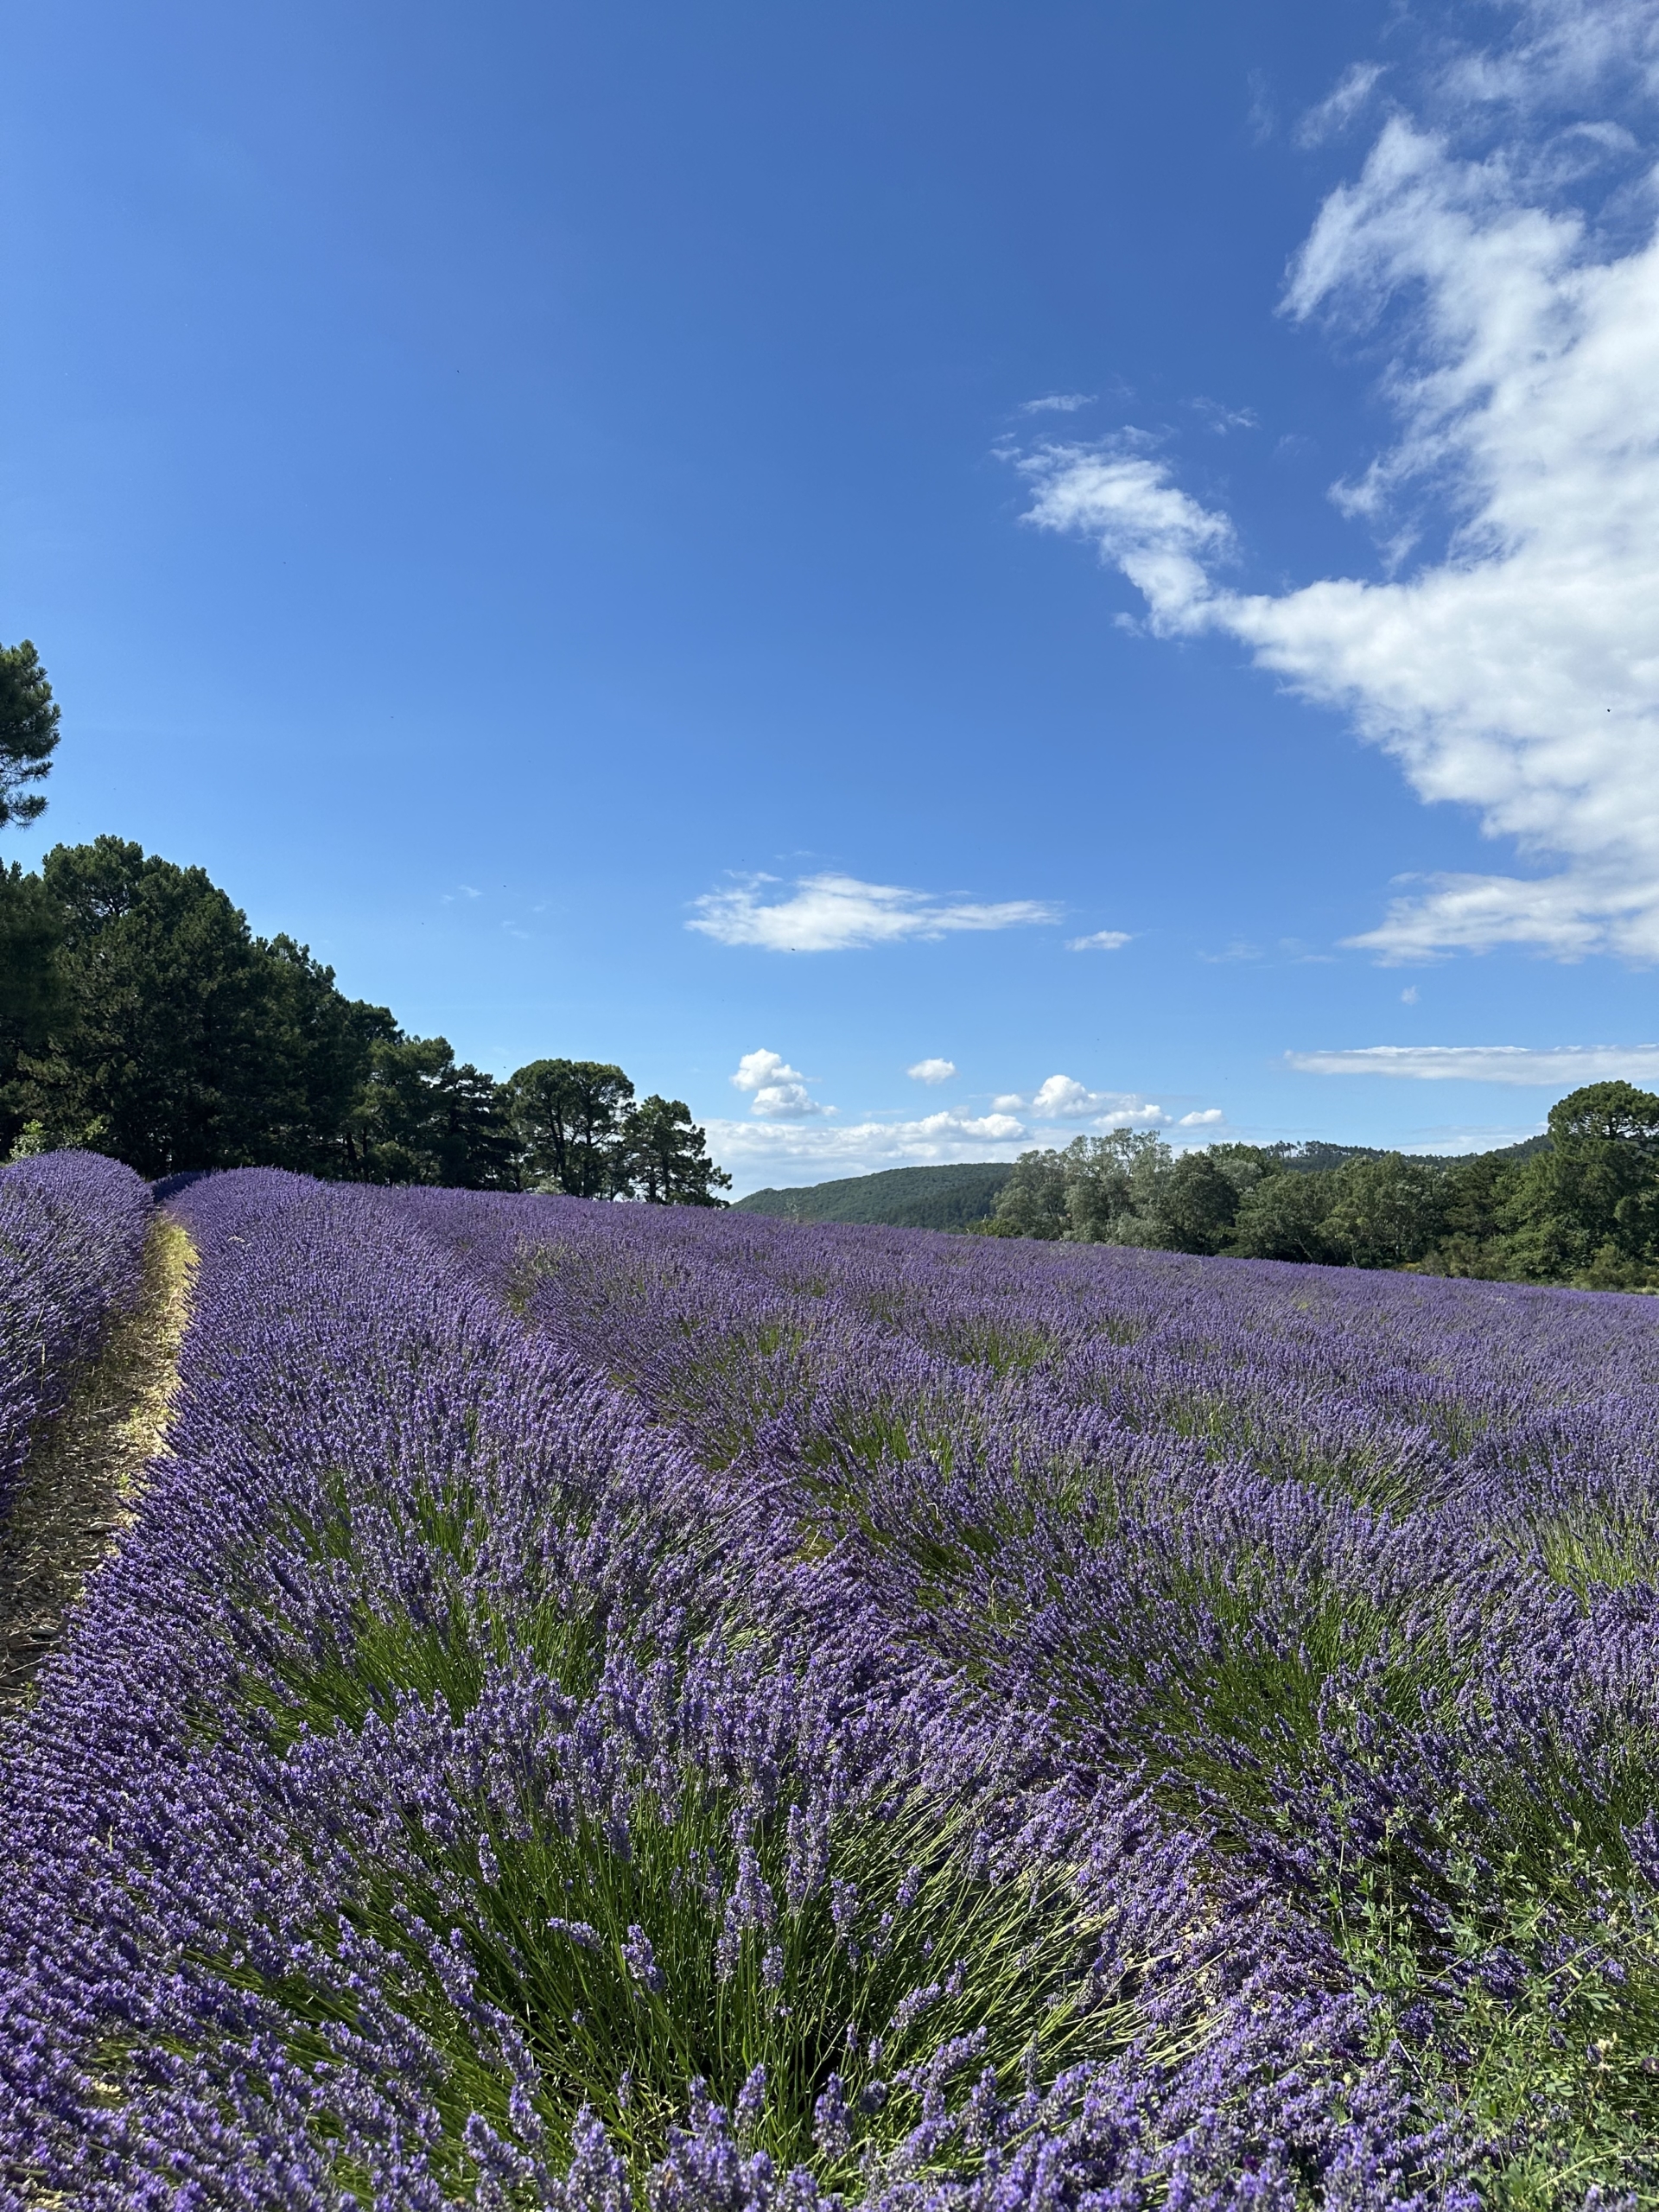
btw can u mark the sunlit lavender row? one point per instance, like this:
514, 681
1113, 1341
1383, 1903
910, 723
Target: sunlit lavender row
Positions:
608, 1705
72, 1240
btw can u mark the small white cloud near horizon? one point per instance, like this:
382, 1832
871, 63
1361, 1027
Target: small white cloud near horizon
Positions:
932, 1071
1058, 403
1101, 940
839, 913
750, 1149
1565, 1066
1510, 667
777, 1091
1205, 1118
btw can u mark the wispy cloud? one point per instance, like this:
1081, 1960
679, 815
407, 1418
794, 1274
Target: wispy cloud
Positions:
932, 1071
1101, 940
838, 913
1563, 1067
1204, 1118
1333, 114
1058, 403
1514, 672
777, 1091
1219, 419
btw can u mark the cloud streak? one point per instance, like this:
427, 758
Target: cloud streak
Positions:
1563, 1067
1514, 672
840, 914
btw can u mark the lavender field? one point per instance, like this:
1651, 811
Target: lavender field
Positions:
604, 1706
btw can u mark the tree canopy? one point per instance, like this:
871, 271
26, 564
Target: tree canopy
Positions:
140, 1016
29, 733
1580, 1207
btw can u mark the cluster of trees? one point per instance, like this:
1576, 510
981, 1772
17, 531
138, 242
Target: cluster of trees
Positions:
1579, 1207
141, 1017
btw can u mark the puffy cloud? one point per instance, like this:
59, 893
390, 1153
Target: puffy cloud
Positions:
834, 913
777, 1091
755, 1152
1101, 941
1205, 1117
932, 1071
1063, 1098
1515, 670
1563, 1068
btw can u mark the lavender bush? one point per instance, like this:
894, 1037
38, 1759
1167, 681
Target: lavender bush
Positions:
72, 1240
604, 1706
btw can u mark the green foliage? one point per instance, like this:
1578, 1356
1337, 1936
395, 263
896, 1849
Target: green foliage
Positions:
1581, 1207
568, 1116
176, 1039
29, 732
31, 928
900, 1197
140, 1016
666, 1158
421, 1117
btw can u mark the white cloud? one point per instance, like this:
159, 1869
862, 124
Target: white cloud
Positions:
1101, 941
754, 1152
834, 913
1058, 403
1206, 1118
932, 1071
1063, 1098
777, 1091
1515, 670
1563, 1068
1339, 107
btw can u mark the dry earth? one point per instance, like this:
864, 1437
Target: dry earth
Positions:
78, 1487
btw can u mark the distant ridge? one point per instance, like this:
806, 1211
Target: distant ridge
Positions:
898, 1197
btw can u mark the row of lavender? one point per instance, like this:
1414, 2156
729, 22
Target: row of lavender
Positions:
806, 1712
1355, 1577
421, 1814
72, 1240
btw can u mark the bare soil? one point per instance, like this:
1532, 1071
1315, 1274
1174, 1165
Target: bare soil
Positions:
80, 1484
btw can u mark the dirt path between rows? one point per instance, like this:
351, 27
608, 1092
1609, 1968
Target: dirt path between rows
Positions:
79, 1485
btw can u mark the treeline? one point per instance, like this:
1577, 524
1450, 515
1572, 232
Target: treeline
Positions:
1582, 1207
141, 1017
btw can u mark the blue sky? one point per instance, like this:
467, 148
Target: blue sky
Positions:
1101, 553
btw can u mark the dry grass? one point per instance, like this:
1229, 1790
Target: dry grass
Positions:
78, 1488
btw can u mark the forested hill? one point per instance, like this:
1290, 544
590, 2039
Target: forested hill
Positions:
952, 1198
898, 1197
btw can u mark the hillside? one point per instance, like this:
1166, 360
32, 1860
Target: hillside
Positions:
898, 1197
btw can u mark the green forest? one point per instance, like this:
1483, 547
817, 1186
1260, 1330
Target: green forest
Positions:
141, 1017
1578, 1206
